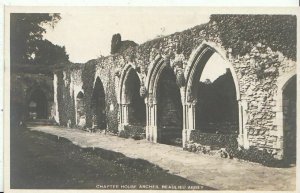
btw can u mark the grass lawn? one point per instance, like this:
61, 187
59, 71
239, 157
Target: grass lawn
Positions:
40, 160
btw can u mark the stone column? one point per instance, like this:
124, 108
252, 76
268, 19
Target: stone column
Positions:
125, 114
151, 121
123, 109
189, 122
147, 122
56, 112
243, 134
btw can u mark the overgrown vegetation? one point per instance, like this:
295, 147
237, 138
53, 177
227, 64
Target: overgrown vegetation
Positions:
22, 86
230, 149
255, 155
134, 132
242, 32
27, 45
66, 106
219, 140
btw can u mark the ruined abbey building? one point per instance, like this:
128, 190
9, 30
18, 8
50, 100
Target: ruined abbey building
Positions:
155, 91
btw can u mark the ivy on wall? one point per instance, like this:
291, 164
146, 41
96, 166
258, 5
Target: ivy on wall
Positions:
111, 100
22, 85
88, 77
239, 33
242, 32
66, 103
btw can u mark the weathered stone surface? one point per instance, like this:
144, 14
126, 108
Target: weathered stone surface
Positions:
258, 74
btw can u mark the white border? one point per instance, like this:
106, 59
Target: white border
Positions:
122, 3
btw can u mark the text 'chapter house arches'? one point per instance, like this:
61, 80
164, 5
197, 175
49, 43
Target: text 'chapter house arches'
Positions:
38, 105
98, 106
211, 94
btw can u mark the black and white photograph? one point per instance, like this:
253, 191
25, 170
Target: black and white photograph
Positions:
151, 98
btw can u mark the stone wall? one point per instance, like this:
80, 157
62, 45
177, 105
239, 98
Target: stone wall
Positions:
256, 72
23, 85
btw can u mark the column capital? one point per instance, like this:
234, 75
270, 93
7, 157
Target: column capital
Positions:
191, 104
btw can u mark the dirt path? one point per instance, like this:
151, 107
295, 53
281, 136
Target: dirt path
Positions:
219, 173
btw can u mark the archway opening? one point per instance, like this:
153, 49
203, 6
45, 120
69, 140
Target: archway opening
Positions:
38, 105
80, 110
289, 120
136, 104
169, 109
216, 110
98, 106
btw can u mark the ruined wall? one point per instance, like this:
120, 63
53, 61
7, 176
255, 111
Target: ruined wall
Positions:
261, 50
23, 85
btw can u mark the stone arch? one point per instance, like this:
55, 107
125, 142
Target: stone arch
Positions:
156, 130
80, 109
280, 121
98, 106
131, 104
152, 77
196, 65
37, 103
193, 72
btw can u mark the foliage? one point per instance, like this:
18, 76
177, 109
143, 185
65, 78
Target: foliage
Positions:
22, 86
219, 140
255, 155
49, 54
242, 32
66, 102
135, 132
229, 142
118, 46
88, 76
27, 44
112, 115
115, 43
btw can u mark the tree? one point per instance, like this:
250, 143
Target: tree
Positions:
26, 39
49, 54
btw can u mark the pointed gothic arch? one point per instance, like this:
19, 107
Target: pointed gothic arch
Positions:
286, 120
80, 109
98, 106
193, 72
163, 104
38, 104
131, 104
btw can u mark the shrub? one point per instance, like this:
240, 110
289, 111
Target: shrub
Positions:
229, 144
210, 139
124, 134
134, 132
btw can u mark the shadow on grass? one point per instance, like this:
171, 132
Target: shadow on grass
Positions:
44, 161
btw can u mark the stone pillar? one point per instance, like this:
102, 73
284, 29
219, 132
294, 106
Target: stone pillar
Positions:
243, 134
147, 122
151, 121
188, 122
56, 112
125, 114
123, 110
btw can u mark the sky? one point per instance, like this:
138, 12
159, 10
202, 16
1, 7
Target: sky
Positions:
87, 34
215, 67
